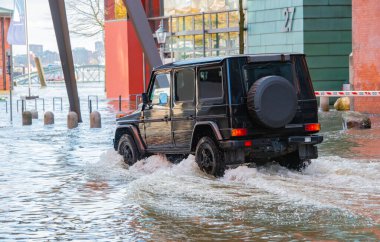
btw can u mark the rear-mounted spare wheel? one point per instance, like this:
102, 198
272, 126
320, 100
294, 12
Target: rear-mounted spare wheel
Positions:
272, 101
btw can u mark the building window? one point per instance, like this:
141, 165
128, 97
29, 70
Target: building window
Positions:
115, 9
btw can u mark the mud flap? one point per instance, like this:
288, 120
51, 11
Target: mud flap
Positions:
307, 152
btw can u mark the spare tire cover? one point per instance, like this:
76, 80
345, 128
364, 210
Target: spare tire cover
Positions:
272, 101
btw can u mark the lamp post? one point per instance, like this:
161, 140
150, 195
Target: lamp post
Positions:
161, 39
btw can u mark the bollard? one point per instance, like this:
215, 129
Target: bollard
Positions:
324, 104
72, 120
49, 118
95, 120
34, 114
26, 118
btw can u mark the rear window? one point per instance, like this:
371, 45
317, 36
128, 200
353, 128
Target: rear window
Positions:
255, 71
301, 81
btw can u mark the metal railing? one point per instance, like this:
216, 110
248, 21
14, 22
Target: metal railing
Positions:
127, 104
87, 73
200, 34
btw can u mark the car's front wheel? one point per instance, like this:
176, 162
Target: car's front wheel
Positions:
127, 148
209, 158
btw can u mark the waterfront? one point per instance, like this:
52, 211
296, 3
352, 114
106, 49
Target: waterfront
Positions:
59, 184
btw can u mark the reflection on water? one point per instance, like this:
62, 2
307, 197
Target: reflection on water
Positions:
59, 184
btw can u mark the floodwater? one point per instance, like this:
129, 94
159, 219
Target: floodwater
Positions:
59, 184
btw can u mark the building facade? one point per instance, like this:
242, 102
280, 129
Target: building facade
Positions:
327, 31
366, 53
320, 29
124, 55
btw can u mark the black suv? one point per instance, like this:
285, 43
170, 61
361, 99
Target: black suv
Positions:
226, 111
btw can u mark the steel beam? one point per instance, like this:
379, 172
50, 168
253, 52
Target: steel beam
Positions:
144, 33
58, 13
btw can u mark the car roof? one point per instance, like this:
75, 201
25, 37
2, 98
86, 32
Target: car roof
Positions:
219, 59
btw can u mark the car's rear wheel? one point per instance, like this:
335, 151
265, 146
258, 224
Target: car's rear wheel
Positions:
127, 148
209, 158
293, 161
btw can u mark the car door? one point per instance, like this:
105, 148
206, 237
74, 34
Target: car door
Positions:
183, 112
157, 118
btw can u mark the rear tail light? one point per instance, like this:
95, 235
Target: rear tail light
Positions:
312, 127
248, 143
238, 132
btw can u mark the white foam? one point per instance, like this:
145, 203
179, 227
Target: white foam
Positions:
151, 164
110, 166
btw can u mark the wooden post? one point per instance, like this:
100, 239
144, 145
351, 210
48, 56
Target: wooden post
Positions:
40, 70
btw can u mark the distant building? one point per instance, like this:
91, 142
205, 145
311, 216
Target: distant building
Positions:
99, 46
81, 56
5, 18
37, 50
99, 52
50, 57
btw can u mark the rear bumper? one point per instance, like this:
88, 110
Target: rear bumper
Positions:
272, 144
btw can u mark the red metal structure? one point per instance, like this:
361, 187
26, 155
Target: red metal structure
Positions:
124, 52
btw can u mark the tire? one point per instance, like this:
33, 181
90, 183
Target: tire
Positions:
176, 158
272, 102
209, 158
292, 161
127, 148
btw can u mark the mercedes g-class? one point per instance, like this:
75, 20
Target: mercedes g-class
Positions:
226, 111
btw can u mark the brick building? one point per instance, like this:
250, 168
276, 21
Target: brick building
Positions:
366, 52
5, 18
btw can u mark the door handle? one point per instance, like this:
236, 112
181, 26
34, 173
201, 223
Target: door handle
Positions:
166, 118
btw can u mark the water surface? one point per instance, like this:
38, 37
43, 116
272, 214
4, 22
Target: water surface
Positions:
59, 184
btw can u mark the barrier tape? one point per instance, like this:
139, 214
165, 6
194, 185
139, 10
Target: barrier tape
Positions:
347, 93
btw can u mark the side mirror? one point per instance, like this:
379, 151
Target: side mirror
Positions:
144, 98
163, 98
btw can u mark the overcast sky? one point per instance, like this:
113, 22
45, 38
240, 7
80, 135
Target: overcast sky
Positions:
41, 29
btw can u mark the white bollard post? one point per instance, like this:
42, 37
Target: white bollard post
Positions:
95, 120
324, 104
72, 120
49, 118
26, 118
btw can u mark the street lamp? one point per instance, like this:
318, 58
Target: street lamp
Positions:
161, 39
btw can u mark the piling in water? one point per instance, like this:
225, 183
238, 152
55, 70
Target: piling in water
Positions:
72, 120
95, 120
49, 118
324, 104
26, 118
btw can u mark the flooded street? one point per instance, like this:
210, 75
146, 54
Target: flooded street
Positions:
59, 184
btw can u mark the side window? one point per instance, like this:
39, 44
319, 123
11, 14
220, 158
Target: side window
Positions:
210, 83
160, 94
184, 85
